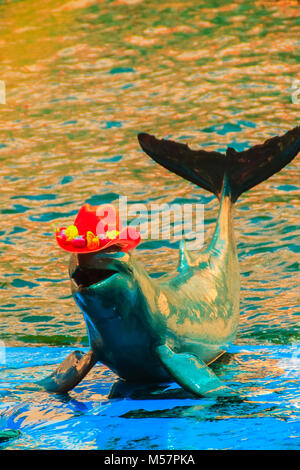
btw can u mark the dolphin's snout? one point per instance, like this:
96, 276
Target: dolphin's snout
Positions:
85, 277
88, 269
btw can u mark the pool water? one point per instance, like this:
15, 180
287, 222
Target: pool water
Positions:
82, 79
104, 413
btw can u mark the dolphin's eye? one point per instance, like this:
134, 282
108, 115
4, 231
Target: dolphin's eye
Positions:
85, 277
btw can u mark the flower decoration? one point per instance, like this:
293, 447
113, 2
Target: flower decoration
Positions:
96, 229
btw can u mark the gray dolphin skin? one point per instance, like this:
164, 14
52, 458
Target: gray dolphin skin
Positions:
150, 330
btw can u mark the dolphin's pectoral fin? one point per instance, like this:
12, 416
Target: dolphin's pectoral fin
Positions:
8, 434
67, 375
192, 373
70, 372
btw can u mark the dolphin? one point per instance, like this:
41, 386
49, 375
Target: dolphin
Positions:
171, 328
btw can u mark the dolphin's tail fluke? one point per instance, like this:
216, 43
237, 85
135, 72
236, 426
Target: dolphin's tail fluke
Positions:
208, 169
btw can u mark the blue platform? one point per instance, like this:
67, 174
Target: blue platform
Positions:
264, 416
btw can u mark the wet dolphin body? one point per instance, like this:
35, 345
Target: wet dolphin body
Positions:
171, 328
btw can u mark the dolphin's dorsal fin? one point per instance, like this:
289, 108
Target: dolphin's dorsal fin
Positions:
192, 373
190, 259
184, 260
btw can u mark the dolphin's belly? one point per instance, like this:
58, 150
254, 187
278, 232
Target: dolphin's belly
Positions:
127, 352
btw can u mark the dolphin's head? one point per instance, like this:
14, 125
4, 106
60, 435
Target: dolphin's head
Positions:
109, 289
89, 270
102, 282
114, 291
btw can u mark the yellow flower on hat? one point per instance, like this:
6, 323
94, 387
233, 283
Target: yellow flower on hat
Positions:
112, 234
71, 232
92, 241
95, 243
89, 236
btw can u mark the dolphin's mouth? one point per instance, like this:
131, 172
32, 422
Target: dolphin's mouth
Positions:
87, 277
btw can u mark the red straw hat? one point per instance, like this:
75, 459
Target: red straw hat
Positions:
95, 229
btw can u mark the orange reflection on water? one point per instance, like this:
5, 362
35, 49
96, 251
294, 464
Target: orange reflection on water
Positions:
83, 78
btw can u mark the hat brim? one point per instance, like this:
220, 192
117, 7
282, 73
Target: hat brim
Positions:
117, 244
